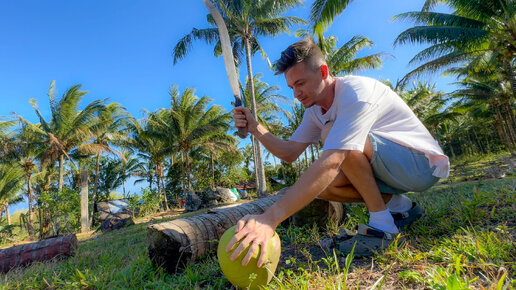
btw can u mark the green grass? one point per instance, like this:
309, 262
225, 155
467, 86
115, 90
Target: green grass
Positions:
465, 240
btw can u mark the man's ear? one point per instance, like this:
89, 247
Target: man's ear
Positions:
324, 71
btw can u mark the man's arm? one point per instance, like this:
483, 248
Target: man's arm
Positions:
256, 230
286, 150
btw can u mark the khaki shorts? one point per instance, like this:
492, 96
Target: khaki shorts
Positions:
399, 169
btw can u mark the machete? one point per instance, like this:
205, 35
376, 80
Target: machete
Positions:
228, 57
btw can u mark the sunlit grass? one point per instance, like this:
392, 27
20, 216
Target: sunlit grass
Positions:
466, 239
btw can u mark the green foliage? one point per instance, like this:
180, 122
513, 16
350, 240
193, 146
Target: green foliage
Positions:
60, 211
148, 203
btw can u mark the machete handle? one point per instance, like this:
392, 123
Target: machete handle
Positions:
242, 132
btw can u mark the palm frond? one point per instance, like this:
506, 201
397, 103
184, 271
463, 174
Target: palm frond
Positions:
323, 12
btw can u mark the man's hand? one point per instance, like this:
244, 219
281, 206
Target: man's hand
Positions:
244, 118
255, 230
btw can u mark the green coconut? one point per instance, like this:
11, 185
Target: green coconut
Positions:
250, 275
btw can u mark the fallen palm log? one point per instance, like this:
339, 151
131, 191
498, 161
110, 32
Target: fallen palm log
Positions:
174, 244
37, 252
318, 212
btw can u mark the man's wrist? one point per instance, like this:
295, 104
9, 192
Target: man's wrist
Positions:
258, 131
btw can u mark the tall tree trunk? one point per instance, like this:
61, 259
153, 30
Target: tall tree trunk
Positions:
471, 148
512, 78
448, 139
159, 170
306, 159
61, 172
158, 180
30, 224
479, 142
85, 221
123, 187
95, 188
7, 213
188, 171
183, 170
212, 171
510, 121
96, 184
499, 128
259, 170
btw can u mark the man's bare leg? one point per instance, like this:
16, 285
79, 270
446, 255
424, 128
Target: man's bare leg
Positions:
341, 190
356, 182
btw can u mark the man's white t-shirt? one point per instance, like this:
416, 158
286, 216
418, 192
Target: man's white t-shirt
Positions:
363, 105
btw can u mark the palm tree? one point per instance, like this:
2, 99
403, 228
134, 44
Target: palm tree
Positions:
130, 168
482, 93
189, 124
68, 126
11, 183
322, 14
110, 128
245, 20
150, 149
213, 148
27, 151
472, 30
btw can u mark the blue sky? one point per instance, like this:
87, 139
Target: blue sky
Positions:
122, 50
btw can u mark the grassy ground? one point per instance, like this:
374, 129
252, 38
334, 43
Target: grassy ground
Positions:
465, 240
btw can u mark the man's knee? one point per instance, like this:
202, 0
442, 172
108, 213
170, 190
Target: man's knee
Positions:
353, 157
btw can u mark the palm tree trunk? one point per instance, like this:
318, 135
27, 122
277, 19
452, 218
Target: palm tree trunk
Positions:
259, 170
212, 171
448, 138
512, 78
509, 120
188, 171
97, 170
499, 128
479, 142
30, 224
158, 181
61, 172
175, 244
7, 214
95, 187
85, 220
159, 171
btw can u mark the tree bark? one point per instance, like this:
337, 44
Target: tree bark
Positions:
259, 170
85, 221
37, 252
512, 79
499, 128
96, 184
61, 172
212, 171
188, 171
30, 224
448, 138
177, 243
7, 213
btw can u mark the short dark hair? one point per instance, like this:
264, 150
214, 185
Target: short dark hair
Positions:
305, 50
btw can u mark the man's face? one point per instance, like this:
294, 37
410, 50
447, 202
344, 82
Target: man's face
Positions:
306, 84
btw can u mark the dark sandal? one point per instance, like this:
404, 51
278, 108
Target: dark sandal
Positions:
404, 219
368, 241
